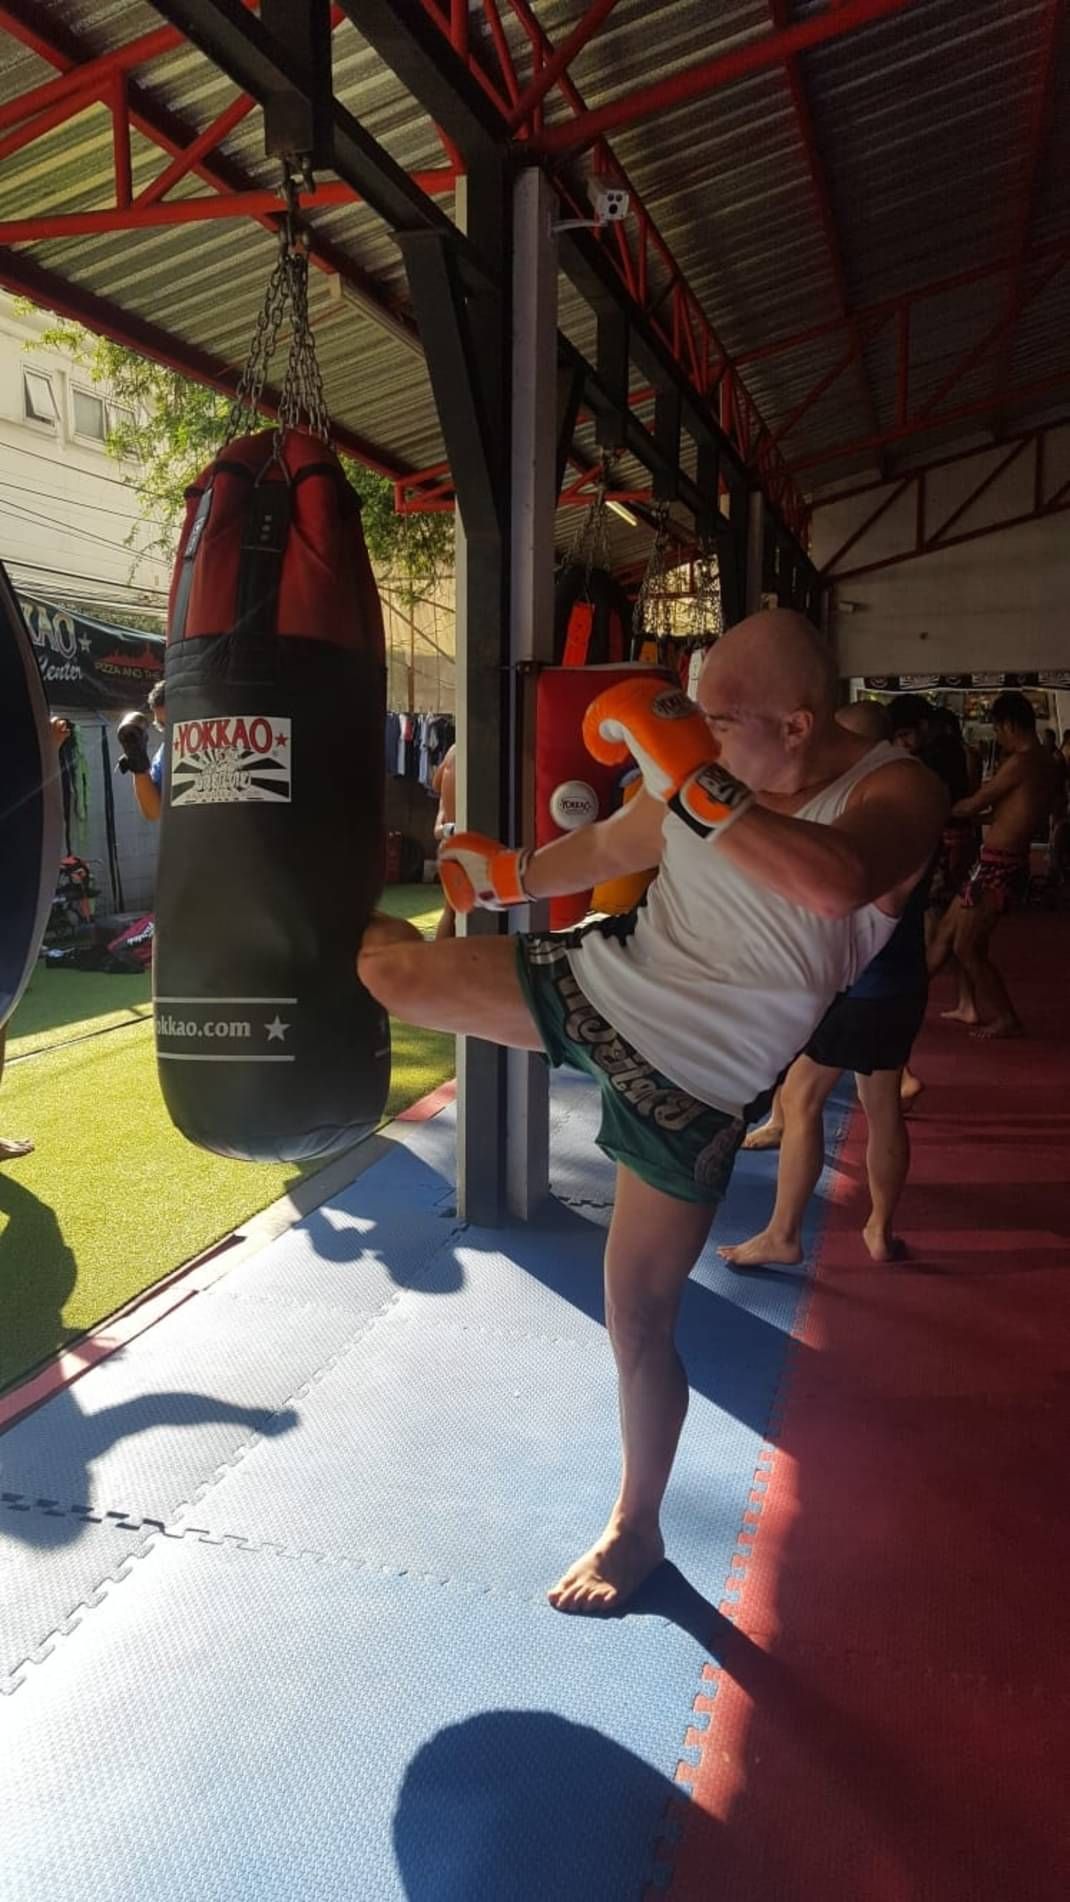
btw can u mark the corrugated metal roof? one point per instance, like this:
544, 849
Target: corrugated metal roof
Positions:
922, 126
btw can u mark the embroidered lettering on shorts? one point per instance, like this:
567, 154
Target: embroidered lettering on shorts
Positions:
631, 1076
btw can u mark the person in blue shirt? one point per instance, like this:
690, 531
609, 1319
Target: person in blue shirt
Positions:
869, 1029
146, 772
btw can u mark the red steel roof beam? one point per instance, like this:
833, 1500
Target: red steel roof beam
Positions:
205, 142
559, 61
1027, 393
165, 129
190, 211
696, 82
92, 76
1021, 217
780, 13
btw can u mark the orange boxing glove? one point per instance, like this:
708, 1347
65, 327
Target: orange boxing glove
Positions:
673, 748
480, 872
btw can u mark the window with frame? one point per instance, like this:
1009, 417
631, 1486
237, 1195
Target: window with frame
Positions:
38, 399
90, 418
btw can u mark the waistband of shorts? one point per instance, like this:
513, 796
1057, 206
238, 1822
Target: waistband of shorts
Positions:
997, 855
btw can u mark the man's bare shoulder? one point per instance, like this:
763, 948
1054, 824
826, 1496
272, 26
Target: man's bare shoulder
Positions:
906, 782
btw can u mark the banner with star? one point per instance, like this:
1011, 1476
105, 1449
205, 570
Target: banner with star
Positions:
87, 667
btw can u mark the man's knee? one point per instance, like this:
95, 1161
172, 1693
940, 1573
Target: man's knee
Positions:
640, 1322
391, 972
806, 1089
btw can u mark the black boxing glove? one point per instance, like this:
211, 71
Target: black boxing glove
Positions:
133, 736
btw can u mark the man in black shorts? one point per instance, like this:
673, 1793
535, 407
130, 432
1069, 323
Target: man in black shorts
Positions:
869, 1029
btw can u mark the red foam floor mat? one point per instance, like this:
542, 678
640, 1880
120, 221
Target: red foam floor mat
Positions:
890, 1721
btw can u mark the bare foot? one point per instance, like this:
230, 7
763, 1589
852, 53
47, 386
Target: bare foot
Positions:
910, 1087
762, 1251
610, 1573
882, 1244
766, 1136
960, 1016
11, 1147
1003, 1027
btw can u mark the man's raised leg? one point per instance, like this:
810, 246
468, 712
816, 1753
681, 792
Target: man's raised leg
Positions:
802, 1157
467, 985
653, 1243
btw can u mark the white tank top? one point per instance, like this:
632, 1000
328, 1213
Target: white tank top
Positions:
722, 981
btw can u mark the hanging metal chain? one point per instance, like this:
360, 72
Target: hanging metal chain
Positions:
707, 612
590, 544
652, 615
302, 403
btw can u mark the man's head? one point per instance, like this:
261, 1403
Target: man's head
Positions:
767, 689
866, 718
1013, 718
909, 719
157, 706
1048, 738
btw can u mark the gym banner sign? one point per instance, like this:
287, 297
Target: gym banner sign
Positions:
1058, 677
89, 668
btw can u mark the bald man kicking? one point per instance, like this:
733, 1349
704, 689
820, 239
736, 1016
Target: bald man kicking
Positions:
787, 847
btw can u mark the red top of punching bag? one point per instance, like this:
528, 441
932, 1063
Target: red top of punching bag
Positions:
326, 590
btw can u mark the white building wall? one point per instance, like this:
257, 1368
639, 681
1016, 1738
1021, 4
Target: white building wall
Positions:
1000, 602
66, 506
66, 510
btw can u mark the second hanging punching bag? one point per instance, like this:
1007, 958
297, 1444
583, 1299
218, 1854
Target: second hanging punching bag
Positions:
271, 847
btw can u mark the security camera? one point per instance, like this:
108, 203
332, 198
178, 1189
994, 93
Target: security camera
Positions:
611, 204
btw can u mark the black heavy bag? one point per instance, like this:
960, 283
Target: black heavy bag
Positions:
31, 818
271, 847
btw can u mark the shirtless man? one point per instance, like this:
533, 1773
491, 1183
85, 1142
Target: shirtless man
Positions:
1018, 800
445, 784
766, 905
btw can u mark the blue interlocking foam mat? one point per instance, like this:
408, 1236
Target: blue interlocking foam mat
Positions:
272, 1612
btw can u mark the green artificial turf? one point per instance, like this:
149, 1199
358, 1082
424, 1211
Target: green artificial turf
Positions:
113, 1197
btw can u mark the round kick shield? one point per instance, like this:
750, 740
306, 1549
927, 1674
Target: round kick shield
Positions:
31, 824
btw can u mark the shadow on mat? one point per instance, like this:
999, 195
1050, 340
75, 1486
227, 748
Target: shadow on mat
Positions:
73, 1440
732, 1356
523, 1806
31, 1301
349, 1236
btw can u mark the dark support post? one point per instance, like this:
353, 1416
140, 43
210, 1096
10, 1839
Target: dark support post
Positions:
299, 119
570, 380
467, 340
710, 525
667, 411
611, 423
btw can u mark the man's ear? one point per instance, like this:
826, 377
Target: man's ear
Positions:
797, 728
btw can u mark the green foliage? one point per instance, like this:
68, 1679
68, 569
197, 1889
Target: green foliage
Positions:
176, 427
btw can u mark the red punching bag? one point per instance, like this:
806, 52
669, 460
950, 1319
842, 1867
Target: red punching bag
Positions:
571, 788
271, 846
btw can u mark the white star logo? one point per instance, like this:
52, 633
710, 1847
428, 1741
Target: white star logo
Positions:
276, 1030
84, 643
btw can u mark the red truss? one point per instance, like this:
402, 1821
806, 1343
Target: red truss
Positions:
932, 529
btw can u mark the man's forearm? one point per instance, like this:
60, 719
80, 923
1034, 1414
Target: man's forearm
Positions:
147, 794
575, 862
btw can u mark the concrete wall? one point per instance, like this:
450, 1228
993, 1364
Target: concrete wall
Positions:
66, 507
998, 602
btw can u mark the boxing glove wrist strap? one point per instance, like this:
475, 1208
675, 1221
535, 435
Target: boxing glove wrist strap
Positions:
710, 800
